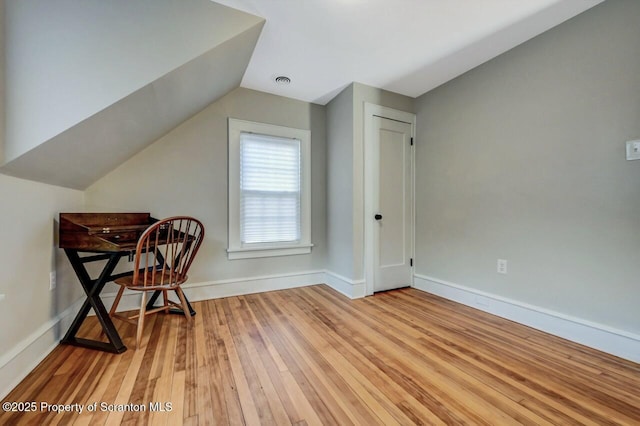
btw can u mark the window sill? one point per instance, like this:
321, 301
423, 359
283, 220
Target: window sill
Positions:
248, 253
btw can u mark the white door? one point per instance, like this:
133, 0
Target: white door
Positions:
392, 204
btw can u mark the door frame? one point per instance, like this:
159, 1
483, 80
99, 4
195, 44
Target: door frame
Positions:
371, 111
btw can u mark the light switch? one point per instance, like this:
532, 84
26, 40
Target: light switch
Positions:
633, 150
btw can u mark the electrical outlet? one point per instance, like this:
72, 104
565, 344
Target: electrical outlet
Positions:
52, 280
1, 296
633, 150
502, 266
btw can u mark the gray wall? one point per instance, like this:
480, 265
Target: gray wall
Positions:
2, 83
340, 183
185, 172
523, 159
28, 253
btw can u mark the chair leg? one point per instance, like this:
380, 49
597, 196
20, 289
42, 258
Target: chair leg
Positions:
165, 297
183, 302
143, 307
116, 302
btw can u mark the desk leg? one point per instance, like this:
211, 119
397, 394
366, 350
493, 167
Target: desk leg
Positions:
93, 288
156, 294
176, 311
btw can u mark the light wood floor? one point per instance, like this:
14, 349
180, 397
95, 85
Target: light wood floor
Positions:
311, 356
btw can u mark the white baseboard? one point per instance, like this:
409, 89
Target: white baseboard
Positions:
237, 287
226, 288
353, 289
598, 336
19, 361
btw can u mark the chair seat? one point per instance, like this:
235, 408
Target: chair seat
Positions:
162, 281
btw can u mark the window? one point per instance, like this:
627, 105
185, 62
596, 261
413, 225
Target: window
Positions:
269, 190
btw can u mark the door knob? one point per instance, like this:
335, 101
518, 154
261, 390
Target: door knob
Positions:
378, 216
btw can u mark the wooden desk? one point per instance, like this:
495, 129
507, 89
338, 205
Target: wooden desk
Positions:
105, 236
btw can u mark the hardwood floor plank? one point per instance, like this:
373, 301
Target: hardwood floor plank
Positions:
535, 357
381, 350
273, 366
303, 376
352, 400
497, 376
130, 383
248, 341
346, 357
176, 415
227, 383
354, 380
210, 394
375, 377
249, 411
164, 375
310, 356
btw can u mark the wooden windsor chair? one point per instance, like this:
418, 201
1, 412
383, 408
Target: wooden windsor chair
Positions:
164, 253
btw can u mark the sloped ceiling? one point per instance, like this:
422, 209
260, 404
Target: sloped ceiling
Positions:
404, 46
79, 156
92, 111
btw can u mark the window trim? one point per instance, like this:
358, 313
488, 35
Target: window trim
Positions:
237, 250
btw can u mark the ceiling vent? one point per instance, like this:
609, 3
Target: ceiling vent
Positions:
282, 80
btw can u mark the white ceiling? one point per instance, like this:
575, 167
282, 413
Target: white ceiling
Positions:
405, 46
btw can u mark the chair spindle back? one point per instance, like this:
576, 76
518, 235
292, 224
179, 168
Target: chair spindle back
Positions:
165, 252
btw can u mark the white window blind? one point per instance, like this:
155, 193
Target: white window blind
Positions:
270, 189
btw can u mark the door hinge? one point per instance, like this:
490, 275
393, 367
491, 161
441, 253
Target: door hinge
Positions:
411, 141
410, 262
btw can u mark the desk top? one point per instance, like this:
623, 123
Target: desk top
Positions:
102, 232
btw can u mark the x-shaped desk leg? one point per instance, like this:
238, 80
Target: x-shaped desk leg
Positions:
93, 288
